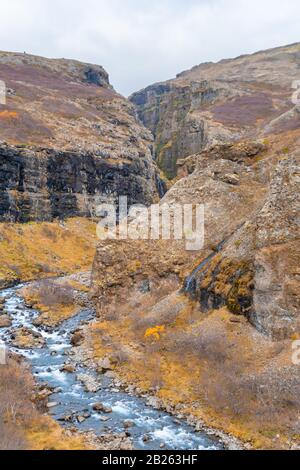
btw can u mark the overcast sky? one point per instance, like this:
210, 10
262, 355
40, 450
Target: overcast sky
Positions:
140, 42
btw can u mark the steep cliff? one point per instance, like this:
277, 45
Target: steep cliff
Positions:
251, 250
43, 184
220, 102
255, 273
68, 141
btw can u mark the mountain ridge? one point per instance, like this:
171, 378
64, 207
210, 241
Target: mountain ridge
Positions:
213, 103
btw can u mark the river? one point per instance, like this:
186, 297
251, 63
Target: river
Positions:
161, 428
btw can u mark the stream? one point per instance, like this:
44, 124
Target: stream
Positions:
161, 428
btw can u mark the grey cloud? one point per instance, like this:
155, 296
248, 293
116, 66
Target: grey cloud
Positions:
140, 42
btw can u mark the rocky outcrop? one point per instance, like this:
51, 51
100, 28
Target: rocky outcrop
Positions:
256, 273
217, 103
68, 141
25, 338
43, 184
128, 264
249, 259
165, 110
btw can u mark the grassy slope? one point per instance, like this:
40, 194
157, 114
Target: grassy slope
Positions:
34, 251
208, 366
38, 250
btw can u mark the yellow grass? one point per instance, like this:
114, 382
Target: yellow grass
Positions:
181, 378
38, 250
45, 434
50, 315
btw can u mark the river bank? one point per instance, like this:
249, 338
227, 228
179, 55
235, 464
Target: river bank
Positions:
127, 419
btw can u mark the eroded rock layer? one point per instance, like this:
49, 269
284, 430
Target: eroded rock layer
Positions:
43, 184
68, 141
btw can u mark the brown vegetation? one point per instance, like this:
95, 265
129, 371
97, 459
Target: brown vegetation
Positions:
55, 299
214, 366
22, 425
37, 250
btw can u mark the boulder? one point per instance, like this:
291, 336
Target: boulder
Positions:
101, 408
91, 385
105, 365
5, 321
128, 423
52, 404
43, 394
81, 419
66, 419
104, 419
77, 338
70, 368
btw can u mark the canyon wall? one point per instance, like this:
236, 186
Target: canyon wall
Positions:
216, 103
244, 168
44, 184
68, 141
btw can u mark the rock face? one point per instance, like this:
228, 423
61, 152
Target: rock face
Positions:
68, 141
43, 184
255, 272
230, 131
217, 103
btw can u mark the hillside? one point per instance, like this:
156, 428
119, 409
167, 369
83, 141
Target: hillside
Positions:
208, 334
214, 103
68, 141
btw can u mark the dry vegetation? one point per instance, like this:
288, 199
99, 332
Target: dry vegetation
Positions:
15, 404
29, 251
22, 425
245, 110
39, 250
215, 366
57, 299
54, 301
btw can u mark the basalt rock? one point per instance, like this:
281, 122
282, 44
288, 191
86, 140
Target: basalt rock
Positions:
46, 184
68, 141
77, 338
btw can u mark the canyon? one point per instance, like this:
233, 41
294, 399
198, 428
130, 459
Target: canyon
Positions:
204, 336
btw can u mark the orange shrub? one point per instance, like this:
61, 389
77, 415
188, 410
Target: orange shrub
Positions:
8, 114
155, 332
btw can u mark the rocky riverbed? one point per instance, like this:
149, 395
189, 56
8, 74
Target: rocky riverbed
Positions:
82, 400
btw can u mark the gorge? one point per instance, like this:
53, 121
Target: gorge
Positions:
196, 346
